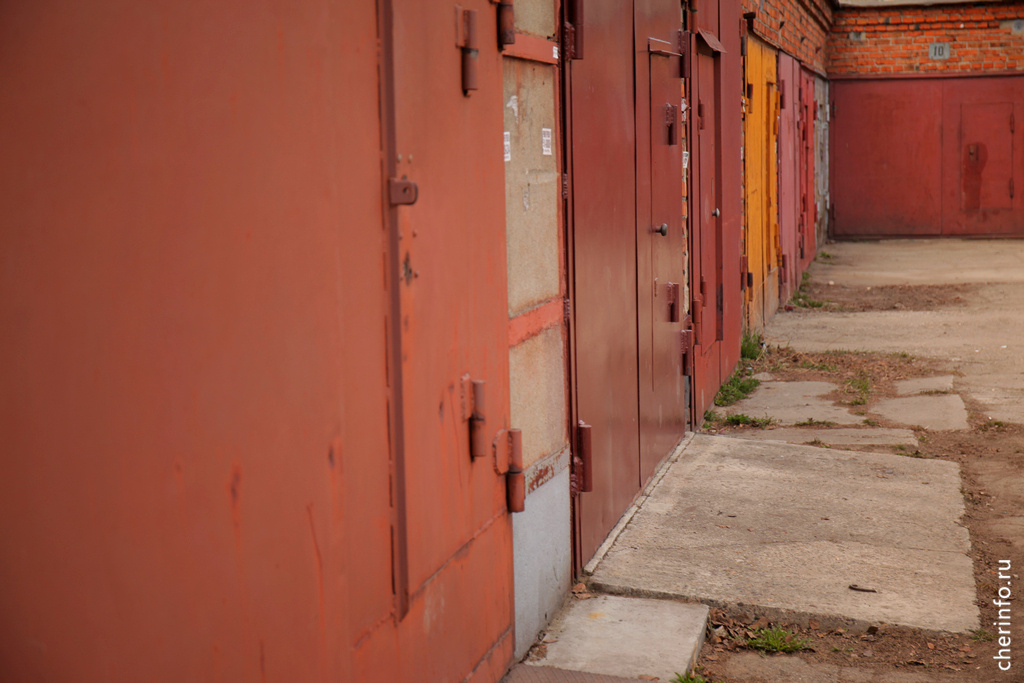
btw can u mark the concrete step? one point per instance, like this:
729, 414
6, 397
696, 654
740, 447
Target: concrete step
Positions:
624, 637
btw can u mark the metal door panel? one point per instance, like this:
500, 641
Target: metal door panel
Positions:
789, 172
986, 148
604, 239
453, 326
659, 257
731, 155
707, 236
886, 158
807, 248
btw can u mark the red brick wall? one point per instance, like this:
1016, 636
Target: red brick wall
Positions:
799, 27
895, 40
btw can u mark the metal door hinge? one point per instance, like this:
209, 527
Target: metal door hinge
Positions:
567, 312
572, 31
582, 476
508, 462
672, 123
565, 186
470, 52
402, 191
474, 413
506, 23
686, 348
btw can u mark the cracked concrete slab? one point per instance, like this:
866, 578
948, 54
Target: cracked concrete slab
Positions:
921, 385
786, 530
833, 437
628, 637
789, 403
932, 412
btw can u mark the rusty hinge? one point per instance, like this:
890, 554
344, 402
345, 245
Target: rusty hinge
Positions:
567, 312
470, 52
402, 191
506, 23
686, 347
583, 461
508, 461
572, 31
565, 186
674, 304
697, 309
672, 122
474, 412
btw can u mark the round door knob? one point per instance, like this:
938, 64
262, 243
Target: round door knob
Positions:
662, 229
716, 213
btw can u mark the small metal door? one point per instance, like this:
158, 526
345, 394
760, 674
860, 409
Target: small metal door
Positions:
789, 173
706, 245
807, 246
659, 234
986, 168
604, 248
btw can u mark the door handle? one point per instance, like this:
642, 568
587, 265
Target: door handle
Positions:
716, 213
662, 229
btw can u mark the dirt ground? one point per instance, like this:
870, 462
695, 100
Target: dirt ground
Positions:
991, 456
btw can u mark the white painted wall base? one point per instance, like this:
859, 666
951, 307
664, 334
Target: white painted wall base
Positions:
542, 548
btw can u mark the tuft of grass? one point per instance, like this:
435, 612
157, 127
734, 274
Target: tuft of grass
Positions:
737, 388
860, 387
751, 346
741, 419
869, 422
981, 634
811, 422
692, 677
824, 367
824, 256
711, 418
992, 424
776, 639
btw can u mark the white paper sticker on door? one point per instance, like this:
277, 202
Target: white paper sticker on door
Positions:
508, 146
545, 141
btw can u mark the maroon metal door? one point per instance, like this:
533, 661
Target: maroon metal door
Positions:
789, 172
449, 362
604, 251
706, 245
807, 246
659, 231
626, 167
986, 166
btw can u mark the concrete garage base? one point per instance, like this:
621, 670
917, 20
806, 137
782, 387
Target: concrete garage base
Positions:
776, 528
627, 637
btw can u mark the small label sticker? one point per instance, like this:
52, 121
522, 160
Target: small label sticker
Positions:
545, 141
686, 160
508, 146
554, 52
938, 51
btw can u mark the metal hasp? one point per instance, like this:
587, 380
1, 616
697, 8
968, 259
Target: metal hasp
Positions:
470, 51
584, 460
478, 422
673, 302
402, 191
506, 23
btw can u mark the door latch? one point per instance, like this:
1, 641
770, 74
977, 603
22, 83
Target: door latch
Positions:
583, 460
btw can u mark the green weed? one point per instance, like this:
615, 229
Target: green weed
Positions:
777, 639
860, 387
981, 634
824, 367
737, 388
741, 419
811, 422
693, 677
869, 422
751, 346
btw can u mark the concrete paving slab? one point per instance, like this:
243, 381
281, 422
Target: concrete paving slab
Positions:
932, 412
626, 637
833, 437
783, 529
921, 385
792, 402
524, 673
755, 668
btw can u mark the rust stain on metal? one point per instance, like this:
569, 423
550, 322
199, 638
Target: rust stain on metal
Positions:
539, 477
